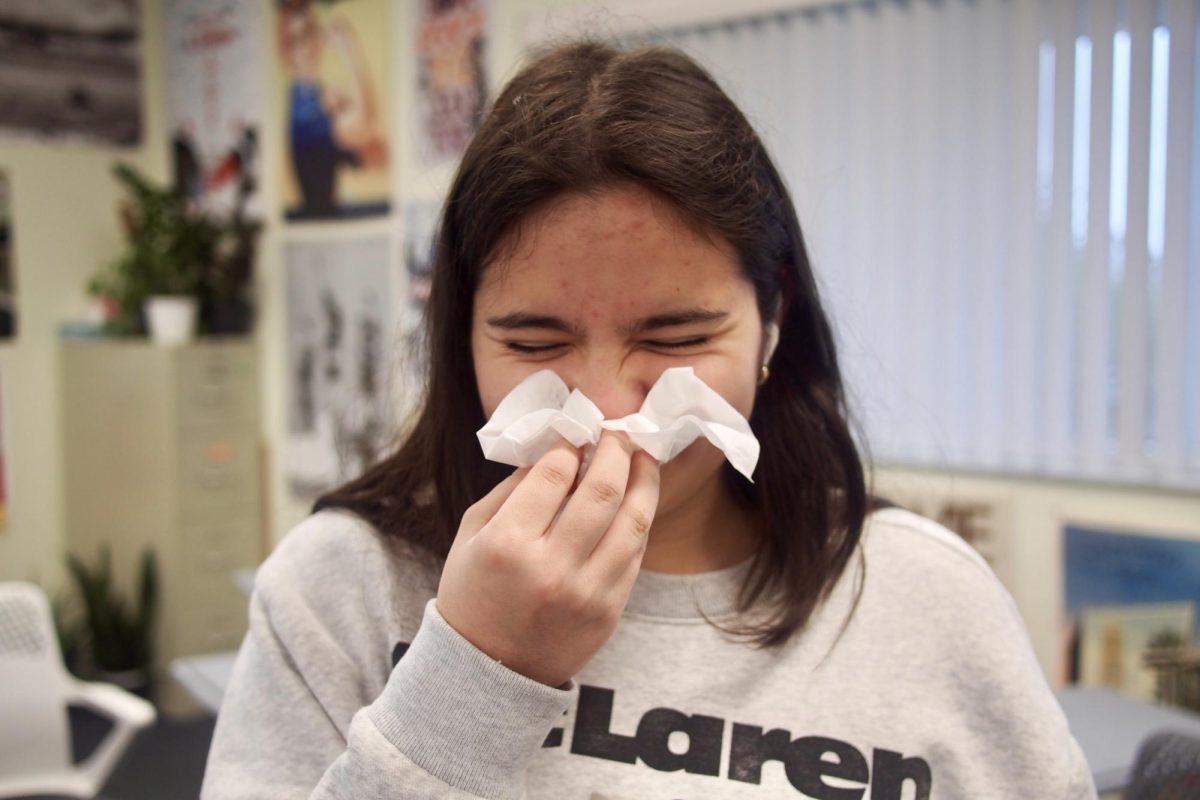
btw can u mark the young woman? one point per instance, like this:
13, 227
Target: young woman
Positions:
441, 628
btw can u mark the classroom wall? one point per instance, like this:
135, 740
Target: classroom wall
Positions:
65, 226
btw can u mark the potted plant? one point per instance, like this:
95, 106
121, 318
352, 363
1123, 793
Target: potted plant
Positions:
155, 284
225, 306
114, 636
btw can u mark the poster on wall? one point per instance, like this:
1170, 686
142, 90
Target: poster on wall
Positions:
8, 281
71, 70
451, 75
341, 344
215, 102
335, 91
1131, 603
420, 223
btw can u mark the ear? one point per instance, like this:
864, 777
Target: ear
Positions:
770, 339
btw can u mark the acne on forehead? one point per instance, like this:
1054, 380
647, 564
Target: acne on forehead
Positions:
616, 254
626, 209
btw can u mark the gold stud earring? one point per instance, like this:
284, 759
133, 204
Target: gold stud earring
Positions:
763, 374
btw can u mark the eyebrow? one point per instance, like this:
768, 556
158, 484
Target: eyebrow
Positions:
675, 319
520, 320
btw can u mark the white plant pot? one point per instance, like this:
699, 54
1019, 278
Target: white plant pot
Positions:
171, 319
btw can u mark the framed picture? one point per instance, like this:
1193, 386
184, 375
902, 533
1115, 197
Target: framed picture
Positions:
1127, 593
1114, 642
341, 335
71, 71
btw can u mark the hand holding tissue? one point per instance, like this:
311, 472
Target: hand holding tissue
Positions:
678, 409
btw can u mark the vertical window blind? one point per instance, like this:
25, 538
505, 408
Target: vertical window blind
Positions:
1002, 203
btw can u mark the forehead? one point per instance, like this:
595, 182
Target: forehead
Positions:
623, 246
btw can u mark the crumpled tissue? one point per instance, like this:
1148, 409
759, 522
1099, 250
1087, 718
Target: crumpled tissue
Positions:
678, 409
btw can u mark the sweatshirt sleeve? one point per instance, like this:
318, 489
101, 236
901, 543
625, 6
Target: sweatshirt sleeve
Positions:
986, 696
297, 722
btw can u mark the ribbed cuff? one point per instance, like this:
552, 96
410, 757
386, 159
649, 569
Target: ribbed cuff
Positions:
463, 717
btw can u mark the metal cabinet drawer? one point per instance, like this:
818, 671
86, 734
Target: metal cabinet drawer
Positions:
221, 547
217, 474
214, 614
217, 385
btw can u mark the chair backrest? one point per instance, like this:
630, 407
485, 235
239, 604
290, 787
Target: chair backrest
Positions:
1167, 768
33, 684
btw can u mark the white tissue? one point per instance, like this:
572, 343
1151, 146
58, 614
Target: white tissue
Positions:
678, 409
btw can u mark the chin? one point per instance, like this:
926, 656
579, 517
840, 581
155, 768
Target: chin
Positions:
695, 471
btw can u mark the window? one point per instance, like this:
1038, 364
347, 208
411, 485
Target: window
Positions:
1002, 203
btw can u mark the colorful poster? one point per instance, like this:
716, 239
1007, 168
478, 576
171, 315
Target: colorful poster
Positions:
451, 75
1128, 595
215, 102
341, 344
71, 70
335, 96
8, 283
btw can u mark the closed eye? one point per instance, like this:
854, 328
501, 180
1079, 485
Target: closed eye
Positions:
521, 347
680, 344
526, 348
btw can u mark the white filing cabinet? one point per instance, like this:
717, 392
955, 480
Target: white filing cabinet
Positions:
161, 450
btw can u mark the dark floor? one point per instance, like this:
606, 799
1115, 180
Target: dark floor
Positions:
164, 762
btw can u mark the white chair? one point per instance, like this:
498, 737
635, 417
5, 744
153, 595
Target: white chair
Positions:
35, 690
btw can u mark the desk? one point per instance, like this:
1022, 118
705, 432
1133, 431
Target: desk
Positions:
1110, 727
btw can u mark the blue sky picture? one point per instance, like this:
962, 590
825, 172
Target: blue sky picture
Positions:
1104, 568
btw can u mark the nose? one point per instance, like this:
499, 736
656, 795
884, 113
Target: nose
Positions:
615, 393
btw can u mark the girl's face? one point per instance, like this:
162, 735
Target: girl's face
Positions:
608, 290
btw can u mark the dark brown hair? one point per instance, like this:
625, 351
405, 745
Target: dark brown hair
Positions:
577, 119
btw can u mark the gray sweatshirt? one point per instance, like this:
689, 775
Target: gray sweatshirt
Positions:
350, 685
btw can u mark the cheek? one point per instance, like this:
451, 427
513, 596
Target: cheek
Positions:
493, 380
494, 383
737, 383
497, 377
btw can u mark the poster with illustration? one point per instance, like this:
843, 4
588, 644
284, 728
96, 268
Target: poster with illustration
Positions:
216, 74
1128, 595
451, 75
71, 70
8, 281
335, 90
340, 356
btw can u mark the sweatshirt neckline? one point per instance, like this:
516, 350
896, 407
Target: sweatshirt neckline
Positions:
695, 596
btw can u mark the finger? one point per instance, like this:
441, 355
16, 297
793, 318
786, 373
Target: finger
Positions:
539, 495
482, 511
621, 548
592, 507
